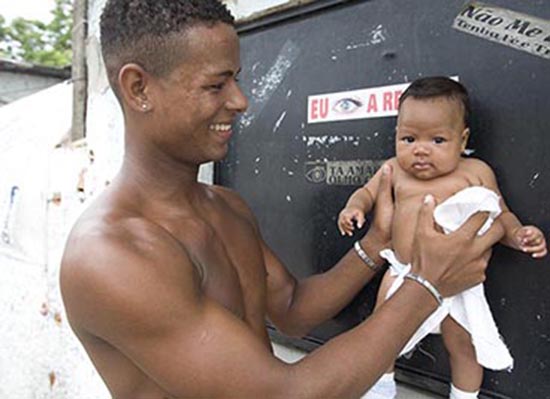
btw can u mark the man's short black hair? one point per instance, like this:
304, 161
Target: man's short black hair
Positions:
143, 31
439, 86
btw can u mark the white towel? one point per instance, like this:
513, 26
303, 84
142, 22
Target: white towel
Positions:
469, 308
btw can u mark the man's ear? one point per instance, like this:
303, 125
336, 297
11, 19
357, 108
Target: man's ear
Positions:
464, 138
134, 83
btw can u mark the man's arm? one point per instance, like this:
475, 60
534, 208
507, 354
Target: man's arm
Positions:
296, 307
193, 347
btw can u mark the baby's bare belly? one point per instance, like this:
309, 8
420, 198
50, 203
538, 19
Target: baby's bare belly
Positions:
409, 196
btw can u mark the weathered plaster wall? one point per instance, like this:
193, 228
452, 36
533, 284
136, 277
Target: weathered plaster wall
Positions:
39, 356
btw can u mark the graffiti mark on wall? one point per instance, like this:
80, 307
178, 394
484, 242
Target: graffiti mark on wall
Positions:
7, 226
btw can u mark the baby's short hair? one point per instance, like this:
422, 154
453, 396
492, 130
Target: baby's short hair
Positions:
143, 32
439, 86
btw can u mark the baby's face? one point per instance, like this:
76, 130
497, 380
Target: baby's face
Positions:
430, 136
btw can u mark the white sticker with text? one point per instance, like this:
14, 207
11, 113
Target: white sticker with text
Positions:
513, 29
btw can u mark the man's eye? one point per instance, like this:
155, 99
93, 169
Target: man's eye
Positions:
216, 87
347, 105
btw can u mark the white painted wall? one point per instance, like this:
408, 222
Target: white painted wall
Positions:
39, 356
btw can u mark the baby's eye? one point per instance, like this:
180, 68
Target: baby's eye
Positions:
347, 105
408, 139
439, 140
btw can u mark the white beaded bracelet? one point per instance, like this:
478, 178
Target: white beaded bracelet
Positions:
426, 284
365, 258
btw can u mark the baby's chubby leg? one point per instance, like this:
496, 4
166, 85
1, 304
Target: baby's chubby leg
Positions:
466, 373
385, 387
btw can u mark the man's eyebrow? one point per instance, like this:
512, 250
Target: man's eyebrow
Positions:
228, 73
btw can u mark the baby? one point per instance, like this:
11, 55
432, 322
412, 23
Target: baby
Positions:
431, 134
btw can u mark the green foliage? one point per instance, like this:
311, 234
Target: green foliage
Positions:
37, 42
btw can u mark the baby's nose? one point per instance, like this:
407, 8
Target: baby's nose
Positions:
421, 149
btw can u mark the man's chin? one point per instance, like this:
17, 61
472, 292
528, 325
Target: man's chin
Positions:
217, 157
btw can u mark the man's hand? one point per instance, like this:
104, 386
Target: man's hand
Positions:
456, 261
380, 228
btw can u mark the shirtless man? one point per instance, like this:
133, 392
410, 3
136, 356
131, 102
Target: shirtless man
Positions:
167, 282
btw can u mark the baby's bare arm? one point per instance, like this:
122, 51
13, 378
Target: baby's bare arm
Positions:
517, 236
360, 203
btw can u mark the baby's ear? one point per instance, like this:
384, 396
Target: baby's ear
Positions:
464, 138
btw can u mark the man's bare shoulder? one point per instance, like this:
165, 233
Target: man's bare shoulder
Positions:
235, 202
116, 260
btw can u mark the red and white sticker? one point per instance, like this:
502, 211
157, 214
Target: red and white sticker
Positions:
375, 102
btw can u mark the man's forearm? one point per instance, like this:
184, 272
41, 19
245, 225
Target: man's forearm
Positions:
347, 365
320, 297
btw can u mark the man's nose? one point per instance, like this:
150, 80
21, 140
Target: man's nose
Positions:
237, 101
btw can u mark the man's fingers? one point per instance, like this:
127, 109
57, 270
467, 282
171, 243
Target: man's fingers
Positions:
425, 217
491, 236
360, 219
473, 224
384, 194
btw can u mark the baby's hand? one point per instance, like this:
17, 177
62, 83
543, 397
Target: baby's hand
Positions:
346, 218
531, 240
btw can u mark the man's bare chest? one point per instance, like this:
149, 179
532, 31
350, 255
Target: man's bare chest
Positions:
226, 252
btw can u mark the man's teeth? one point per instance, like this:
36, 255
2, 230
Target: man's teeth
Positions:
220, 127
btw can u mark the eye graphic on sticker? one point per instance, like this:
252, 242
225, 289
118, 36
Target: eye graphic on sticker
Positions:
315, 172
347, 105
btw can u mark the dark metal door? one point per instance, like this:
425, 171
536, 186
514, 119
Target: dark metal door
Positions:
296, 172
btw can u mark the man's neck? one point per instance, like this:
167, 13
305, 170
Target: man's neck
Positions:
159, 177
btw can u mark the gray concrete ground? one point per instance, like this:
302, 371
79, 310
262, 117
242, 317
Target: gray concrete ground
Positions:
292, 355
407, 392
